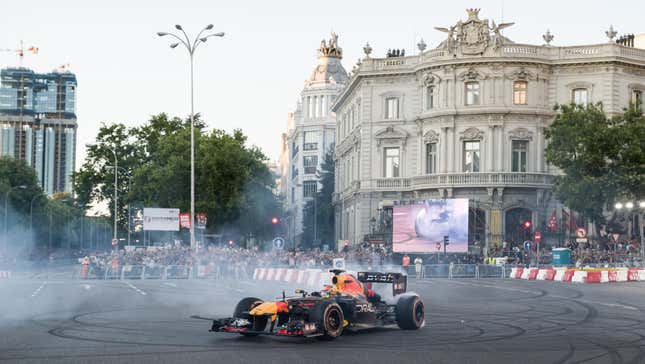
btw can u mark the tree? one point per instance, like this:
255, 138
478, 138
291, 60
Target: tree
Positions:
323, 208
601, 158
232, 183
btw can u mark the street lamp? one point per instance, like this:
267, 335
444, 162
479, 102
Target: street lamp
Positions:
6, 211
191, 47
116, 180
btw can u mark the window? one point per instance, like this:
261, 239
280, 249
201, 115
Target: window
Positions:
471, 156
309, 188
311, 141
294, 172
520, 149
293, 194
637, 98
472, 93
519, 92
429, 97
323, 108
311, 164
431, 158
391, 166
391, 108
580, 96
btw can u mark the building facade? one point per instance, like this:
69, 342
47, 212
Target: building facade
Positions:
311, 134
38, 124
467, 120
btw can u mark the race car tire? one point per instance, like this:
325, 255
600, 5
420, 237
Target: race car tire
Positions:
410, 313
242, 311
329, 317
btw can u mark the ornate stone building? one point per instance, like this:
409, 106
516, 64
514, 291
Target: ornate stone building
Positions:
467, 120
311, 133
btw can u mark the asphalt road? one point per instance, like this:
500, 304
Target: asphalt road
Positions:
468, 321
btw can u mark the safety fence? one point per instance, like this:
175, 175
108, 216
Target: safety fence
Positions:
473, 271
449, 271
579, 275
141, 272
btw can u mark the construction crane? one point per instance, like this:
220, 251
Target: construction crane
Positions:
21, 51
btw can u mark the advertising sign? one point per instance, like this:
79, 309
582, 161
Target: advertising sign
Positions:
418, 228
201, 221
537, 236
184, 220
156, 219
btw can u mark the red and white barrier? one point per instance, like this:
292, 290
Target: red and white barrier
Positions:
579, 275
5, 274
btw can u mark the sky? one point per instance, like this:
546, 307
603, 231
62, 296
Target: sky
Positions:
251, 78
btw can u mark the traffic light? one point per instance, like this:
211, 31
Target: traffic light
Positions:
527, 224
230, 243
275, 220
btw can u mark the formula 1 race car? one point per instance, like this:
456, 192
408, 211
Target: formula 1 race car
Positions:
350, 302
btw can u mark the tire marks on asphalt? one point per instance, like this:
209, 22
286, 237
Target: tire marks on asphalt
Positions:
39, 289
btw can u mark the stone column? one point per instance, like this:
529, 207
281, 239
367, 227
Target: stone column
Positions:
539, 149
444, 150
489, 148
500, 148
451, 149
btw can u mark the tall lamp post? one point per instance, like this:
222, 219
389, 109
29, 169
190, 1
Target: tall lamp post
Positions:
629, 206
191, 46
6, 212
116, 190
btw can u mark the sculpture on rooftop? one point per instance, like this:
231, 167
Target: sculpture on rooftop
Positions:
330, 48
474, 35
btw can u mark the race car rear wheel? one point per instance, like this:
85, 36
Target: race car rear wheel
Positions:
329, 318
410, 313
242, 311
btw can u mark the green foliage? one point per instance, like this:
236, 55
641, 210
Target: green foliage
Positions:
601, 158
323, 208
233, 184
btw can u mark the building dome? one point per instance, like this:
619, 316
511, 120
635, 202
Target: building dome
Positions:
329, 69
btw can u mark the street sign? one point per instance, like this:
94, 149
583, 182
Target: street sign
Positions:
537, 236
278, 243
615, 236
115, 242
527, 245
581, 232
438, 246
581, 240
339, 263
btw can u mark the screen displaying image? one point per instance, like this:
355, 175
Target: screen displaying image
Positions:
420, 228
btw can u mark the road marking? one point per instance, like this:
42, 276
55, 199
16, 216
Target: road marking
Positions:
550, 295
170, 284
86, 286
135, 288
39, 289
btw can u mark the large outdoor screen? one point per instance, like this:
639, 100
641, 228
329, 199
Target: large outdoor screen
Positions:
420, 228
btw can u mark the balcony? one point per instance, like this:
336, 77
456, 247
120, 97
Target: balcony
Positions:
451, 180
310, 146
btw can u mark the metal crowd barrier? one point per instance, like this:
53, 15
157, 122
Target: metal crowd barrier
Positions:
474, 271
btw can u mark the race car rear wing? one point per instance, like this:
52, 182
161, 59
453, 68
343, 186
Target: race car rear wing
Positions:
398, 280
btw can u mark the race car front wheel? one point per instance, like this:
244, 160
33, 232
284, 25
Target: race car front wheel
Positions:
242, 311
329, 318
410, 313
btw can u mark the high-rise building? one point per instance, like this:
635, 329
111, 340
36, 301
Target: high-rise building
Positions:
38, 123
311, 133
